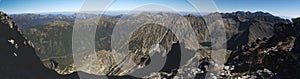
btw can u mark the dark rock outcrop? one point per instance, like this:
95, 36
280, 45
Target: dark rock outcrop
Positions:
273, 55
296, 49
246, 27
18, 58
172, 63
296, 23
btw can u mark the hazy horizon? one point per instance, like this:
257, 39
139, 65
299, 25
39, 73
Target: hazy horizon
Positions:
280, 8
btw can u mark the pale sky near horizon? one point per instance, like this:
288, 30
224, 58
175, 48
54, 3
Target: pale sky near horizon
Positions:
288, 8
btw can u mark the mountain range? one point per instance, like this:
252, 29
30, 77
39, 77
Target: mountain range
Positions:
258, 45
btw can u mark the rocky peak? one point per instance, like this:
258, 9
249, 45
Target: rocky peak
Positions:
259, 16
191, 15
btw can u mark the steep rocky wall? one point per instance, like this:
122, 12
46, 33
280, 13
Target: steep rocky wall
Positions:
18, 58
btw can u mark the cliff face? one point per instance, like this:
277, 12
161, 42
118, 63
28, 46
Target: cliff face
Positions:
296, 49
246, 27
296, 23
17, 55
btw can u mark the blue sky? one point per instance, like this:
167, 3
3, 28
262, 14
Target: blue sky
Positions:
277, 7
